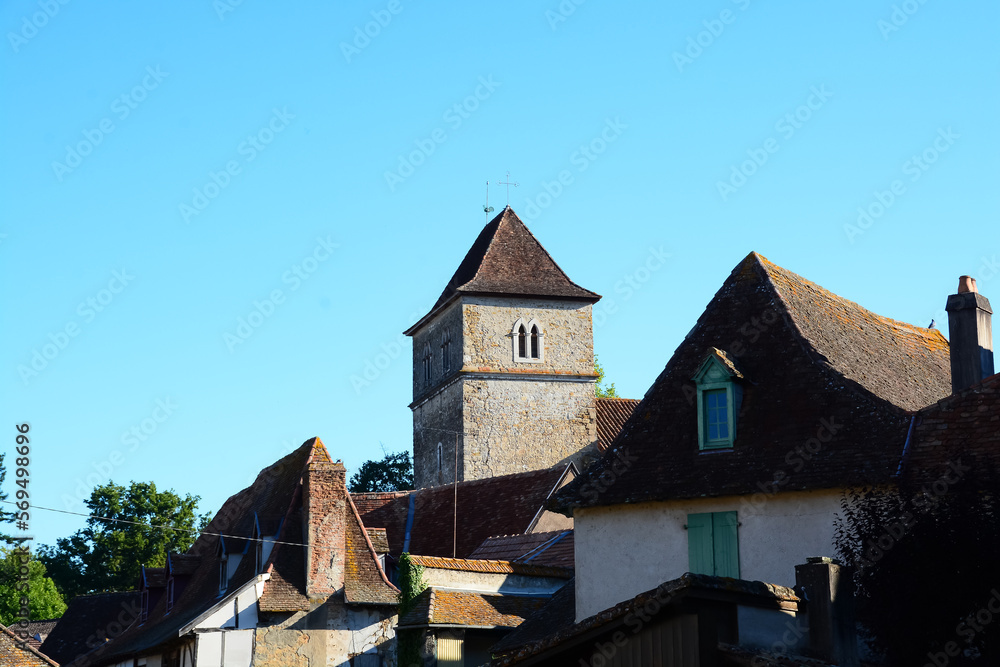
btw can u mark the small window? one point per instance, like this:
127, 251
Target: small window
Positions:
713, 544
170, 593
528, 343
719, 396
223, 574
446, 351
427, 363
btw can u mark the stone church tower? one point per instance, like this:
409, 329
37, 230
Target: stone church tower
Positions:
503, 364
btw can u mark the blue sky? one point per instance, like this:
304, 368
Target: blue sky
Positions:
170, 169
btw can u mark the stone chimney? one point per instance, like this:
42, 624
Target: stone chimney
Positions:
970, 331
827, 588
324, 502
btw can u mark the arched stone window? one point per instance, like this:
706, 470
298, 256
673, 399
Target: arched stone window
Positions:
528, 341
427, 363
446, 350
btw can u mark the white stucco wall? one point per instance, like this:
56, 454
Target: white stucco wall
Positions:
624, 550
489, 582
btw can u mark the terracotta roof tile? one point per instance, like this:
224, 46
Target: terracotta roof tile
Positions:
14, 653
498, 505
379, 540
507, 260
437, 606
612, 413
491, 566
964, 426
553, 548
364, 580
812, 361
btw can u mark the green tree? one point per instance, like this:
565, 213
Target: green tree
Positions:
129, 527
600, 389
44, 600
5, 515
392, 473
925, 566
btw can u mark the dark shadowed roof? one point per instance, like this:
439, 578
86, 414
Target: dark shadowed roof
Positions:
816, 369
554, 548
90, 619
14, 653
612, 413
497, 505
437, 606
553, 624
964, 427
507, 260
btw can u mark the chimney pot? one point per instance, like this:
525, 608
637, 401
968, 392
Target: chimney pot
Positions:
966, 284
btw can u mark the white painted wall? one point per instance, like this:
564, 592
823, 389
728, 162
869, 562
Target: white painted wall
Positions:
225, 615
491, 582
624, 550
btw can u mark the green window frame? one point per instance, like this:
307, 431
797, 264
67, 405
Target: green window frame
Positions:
718, 399
714, 544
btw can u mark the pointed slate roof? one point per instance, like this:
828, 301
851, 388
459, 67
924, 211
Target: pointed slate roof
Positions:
507, 260
816, 368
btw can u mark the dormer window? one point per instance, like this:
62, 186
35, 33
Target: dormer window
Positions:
719, 396
223, 574
145, 607
527, 337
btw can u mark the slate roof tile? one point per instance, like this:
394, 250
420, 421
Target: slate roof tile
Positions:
814, 364
553, 548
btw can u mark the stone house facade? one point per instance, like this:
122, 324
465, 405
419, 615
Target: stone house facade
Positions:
503, 364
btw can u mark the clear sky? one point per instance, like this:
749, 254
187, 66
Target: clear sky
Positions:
169, 168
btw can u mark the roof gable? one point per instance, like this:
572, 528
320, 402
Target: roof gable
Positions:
843, 388
507, 260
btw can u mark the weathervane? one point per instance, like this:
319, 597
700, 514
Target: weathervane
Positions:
487, 208
508, 183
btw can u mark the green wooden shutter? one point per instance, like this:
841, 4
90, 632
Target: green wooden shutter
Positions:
726, 544
700, 551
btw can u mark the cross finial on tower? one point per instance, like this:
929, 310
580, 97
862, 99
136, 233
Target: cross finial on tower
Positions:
508, 183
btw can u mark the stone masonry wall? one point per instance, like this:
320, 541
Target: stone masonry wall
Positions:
518, 425
488, 344
431, 333
435, 421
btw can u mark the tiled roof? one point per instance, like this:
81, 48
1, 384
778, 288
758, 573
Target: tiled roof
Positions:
507, 260
553, 624
437, 606
182, 564
39, 629
13, 653
490, 566
364, 580
89, 618
612, 413
553, 548
276, 497
741, 656
497, 505
379, 540
813, 363
154, 577
964, 427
